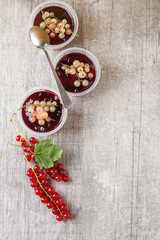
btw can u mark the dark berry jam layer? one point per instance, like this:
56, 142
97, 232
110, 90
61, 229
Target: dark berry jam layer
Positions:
30, 116
59, 14
72, 82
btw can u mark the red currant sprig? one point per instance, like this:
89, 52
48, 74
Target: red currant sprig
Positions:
58, 172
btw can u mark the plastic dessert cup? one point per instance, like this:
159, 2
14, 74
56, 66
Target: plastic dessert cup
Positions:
70, 13
71, 54
60, 114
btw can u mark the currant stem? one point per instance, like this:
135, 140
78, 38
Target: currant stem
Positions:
22, 135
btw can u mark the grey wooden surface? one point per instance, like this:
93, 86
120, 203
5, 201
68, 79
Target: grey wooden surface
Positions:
111, 138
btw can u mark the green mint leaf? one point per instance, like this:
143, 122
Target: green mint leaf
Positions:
47, 153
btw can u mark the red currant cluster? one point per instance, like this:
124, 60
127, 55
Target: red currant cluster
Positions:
41, 184
57, 172
26, 148
53, 202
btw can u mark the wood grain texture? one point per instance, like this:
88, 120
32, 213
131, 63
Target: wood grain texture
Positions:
111, 139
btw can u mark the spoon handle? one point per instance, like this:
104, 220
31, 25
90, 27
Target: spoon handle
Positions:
66, 100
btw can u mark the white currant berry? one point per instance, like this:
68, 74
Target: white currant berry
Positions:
54, 103
43, 103
52, 25
57, 30
41, 122
39, 109
71, 66
72, 71
48, 119
42, 25
39, 116
81, 64
46, 108
32, 119
51, 14
64, 21
31, 109
82, 74
48, 20
68, 31
86, 65
61, 25
90, 75
85, 83
87, 69
47, 30
76, 63
47, 14
62, 30
63, 67
36, 102
34, 114
61, 35
44, 16
67, 70
52, 34
54, 20
52, 109
49, 103
67, 26
79, 69
44, 115
77, 83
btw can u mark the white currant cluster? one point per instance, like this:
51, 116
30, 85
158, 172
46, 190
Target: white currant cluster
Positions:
39, 111
81, 69
54, 26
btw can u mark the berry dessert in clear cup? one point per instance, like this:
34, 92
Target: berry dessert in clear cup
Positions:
78, 70
42, 112
59, 21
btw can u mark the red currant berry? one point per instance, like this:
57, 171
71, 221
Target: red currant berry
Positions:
50, 204
58, 178
64, 207
63, 172
33, 178
28, 158
53, 176
59, 217
42, 175
33, 157
55, 164
44, 200
23, 143
53, 171
59, 202
51, 190
44, 182
18, 138
36, 168
31, 149
55, 196
38, 191
34, 184
59, 166
66, 215
54, 211
32, 140
48, 171
25, 150
46, 188
30, 172
65, 178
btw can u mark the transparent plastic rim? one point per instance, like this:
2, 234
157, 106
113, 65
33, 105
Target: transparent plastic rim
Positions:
65, 6
63, 118
91, 57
